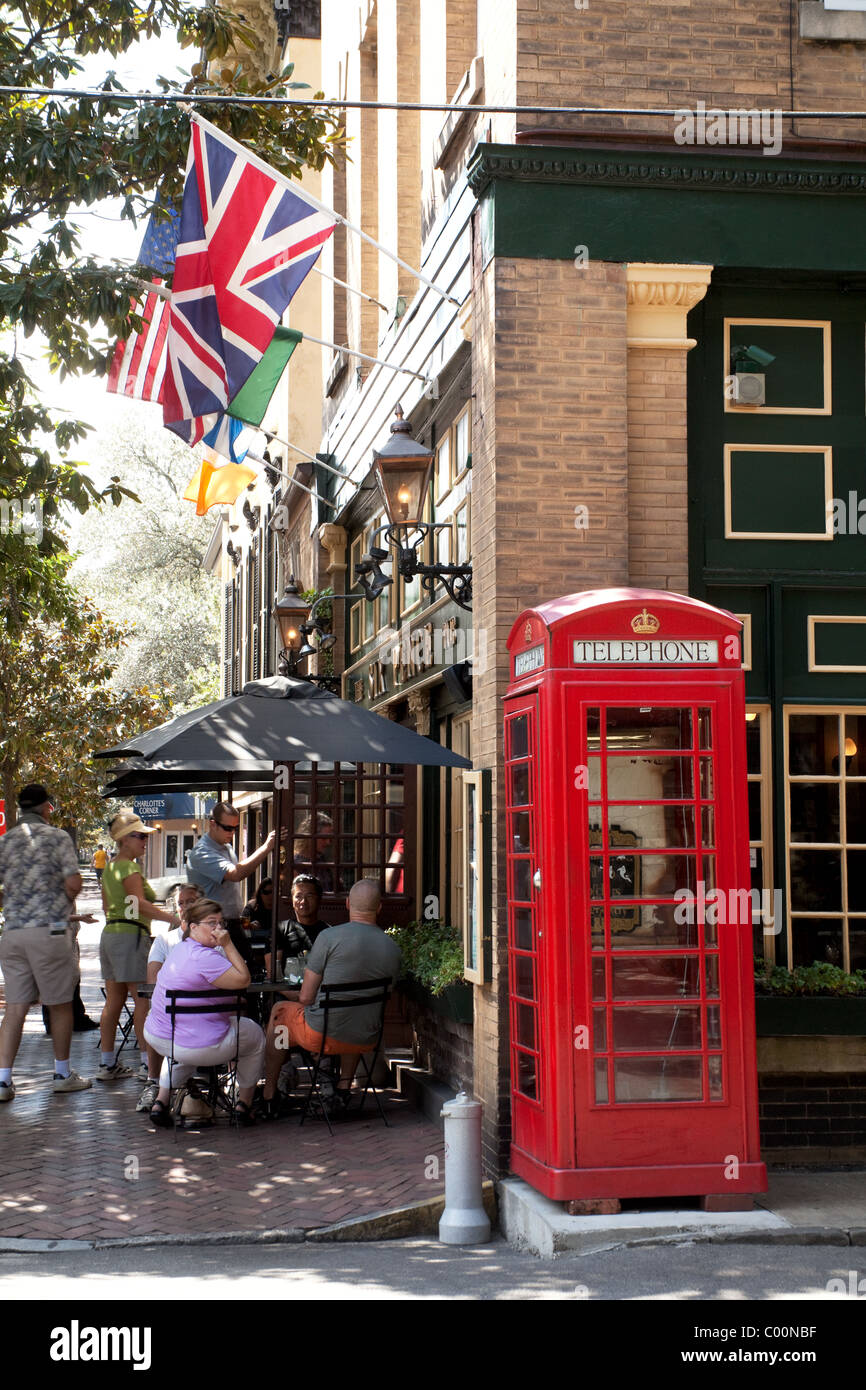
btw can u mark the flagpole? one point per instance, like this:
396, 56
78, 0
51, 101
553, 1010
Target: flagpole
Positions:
353, 352
254, 458
307, 197
351, 288
313, 458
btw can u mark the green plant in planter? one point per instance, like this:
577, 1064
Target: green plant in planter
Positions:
819, 978
432, 953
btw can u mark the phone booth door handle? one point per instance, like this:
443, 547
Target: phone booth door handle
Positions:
536, 879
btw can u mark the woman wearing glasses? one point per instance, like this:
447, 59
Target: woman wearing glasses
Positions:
128, 903
201, 1038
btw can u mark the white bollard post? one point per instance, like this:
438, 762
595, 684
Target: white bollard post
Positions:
464, 1220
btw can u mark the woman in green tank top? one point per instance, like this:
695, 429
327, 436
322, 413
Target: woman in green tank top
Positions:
129, 905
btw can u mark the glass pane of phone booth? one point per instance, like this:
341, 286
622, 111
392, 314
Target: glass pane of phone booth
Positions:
652, 863
521, 857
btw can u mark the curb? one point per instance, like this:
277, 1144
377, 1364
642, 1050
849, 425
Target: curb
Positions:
416, 1219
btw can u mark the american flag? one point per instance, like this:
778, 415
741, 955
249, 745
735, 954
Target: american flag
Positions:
138, 365
247, 240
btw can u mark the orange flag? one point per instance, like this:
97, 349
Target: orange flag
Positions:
217, 484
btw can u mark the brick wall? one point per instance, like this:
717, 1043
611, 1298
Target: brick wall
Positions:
650, 53
549, 434
443, 1046
811, 1117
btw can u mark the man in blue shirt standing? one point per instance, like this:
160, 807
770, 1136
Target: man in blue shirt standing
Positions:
215, 867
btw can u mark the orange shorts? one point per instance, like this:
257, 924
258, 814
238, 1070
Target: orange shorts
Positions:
291, 1017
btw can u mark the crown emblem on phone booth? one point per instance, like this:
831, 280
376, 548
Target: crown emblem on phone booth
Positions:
527, 632
645, 622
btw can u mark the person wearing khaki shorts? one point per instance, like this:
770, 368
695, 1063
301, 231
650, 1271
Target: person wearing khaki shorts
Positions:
40, 877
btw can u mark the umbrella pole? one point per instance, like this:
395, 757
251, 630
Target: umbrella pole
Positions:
277, 875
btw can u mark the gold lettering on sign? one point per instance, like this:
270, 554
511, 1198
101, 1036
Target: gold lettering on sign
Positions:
359, 692
527, 631
449, 634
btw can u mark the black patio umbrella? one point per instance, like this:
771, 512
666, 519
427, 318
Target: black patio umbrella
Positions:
140, 778
276, 720
279, 720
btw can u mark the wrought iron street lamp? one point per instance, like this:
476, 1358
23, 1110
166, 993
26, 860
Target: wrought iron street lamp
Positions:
403, 470
291, 613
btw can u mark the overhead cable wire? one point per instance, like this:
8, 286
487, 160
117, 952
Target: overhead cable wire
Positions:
303, 103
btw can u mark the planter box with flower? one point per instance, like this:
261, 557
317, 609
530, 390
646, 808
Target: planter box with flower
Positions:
432, 969
817, 999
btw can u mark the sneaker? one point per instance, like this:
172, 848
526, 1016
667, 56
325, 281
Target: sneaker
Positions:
72, 1082
142, 1072
148, 1096
116, 1073
7, 1090
84, 1025
288, 1079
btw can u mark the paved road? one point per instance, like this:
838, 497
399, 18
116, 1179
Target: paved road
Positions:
423, 1269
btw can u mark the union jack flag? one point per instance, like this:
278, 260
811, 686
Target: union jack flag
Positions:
247, 240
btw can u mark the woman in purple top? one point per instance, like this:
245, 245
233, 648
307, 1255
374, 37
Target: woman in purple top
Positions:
202, 1039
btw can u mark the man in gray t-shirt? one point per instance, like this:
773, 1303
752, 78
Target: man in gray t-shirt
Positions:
355, 951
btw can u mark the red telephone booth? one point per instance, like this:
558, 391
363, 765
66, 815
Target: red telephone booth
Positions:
630, 936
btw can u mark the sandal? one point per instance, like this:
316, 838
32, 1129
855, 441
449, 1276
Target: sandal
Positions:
160, 1115
244, 1114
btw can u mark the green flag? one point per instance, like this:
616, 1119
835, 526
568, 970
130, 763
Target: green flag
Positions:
253, 399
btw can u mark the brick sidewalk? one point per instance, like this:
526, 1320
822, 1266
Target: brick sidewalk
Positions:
86, 1166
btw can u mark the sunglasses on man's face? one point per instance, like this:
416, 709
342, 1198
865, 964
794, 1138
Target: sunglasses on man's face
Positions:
231, 828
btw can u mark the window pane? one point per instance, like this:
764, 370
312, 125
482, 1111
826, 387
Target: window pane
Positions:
714, 1026
856, 880
753, 745
648, 779
601, 1091
651, 924
526, 1075
657, 1079
711, 966
524, 979
598, 978
524, 1017
705, 728
855, 745
655, 977
520, 785
857, 944
855, 812
707, 781
817, 939
708, 833
656, 1029
814, 812
443, 466
816, 880
649, 727
813, 743
599, 1030
642, 875
754, 810
596, 926
520, 831
656, 827
715, 1069
522, 929
461, 444
522, 881
519, 728
462, 543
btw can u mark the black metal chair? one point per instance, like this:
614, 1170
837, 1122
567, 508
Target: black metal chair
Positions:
125, 1022
221, 1075
352, 995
